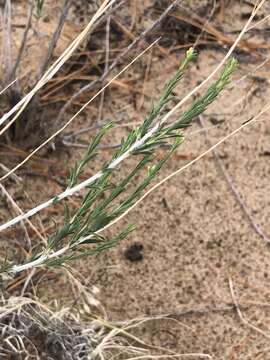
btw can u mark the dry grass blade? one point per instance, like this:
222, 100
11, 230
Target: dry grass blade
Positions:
8, 86
19, 210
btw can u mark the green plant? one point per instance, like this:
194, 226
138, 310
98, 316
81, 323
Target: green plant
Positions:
105, 202
39, 6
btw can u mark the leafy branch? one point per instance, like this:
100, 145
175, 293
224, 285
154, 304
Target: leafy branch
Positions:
103, 203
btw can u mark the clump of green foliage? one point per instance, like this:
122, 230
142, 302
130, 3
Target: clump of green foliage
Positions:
79, 236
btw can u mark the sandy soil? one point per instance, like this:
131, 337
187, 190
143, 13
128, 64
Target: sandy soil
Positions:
195, 240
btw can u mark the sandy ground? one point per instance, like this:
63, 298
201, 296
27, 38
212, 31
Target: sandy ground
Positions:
200, 253
195, 238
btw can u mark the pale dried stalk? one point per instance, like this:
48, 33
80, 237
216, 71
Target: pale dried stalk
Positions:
8, 86
19, 210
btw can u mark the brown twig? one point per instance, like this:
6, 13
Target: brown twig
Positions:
206, 23
55, 36
217, 36
23, 43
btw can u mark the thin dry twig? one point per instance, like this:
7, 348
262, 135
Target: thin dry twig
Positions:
14, 176
241, 316
7, 36
20, 211
8, 86
23, 43
206, 23
157, 357
55, 36
145, 80
27, 281
107, 56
